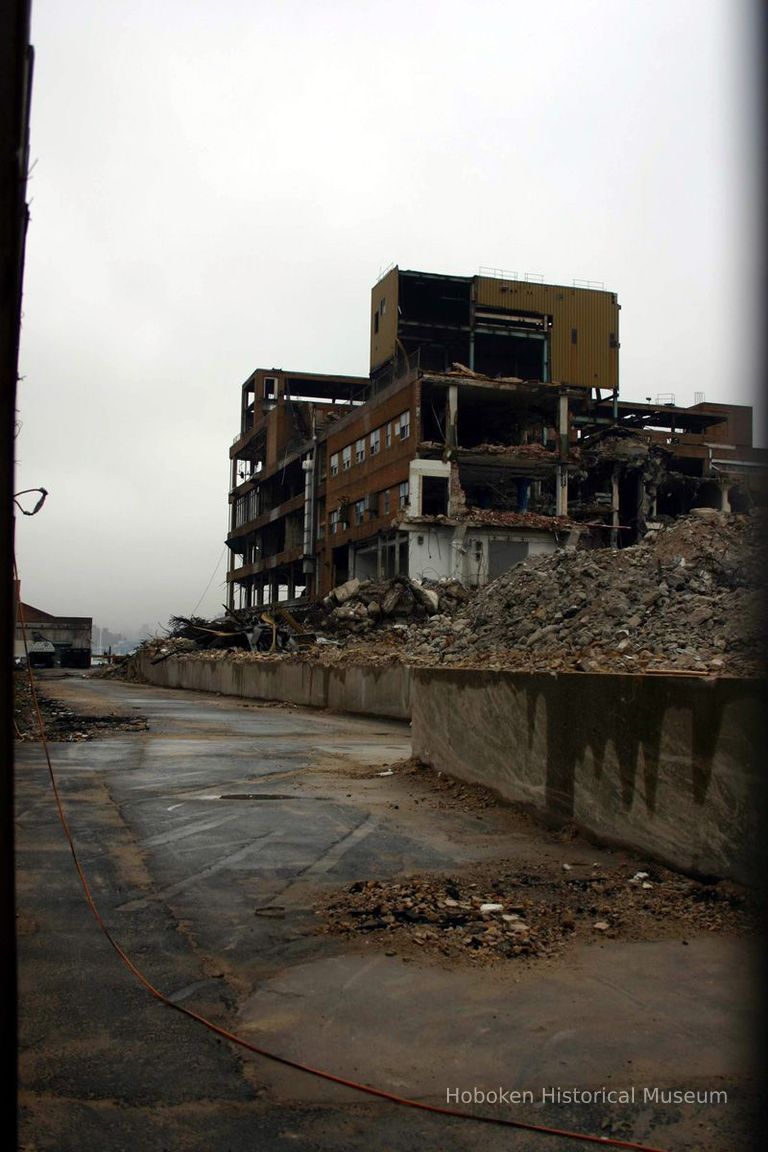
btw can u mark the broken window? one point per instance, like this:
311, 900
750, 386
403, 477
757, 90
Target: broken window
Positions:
433, 414
510, 353
360, 450
346, 458
335, 464
247, 507
435, 300
403, 494
375, 442
403, 426
334, 521
359, 511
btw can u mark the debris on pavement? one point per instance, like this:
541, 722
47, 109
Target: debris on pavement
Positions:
507, 911
62, 723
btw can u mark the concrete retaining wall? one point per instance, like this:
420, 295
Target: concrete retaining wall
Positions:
669, 765
375, 691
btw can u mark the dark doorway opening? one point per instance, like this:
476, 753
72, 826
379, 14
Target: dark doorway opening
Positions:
434, 496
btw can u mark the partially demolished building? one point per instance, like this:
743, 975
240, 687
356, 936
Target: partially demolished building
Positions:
489, 429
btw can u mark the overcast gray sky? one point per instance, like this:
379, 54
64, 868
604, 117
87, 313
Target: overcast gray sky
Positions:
216, 187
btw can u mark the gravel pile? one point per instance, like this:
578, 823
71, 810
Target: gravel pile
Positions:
501, 911
688, 598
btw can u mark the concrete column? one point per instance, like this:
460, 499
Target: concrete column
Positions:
230, 583
414, 493
642, 506
562, 423
561, 478
615, 507
725, 504
451, 416
561, 490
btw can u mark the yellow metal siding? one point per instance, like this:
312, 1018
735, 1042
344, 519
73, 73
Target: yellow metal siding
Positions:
384, 342
591, 362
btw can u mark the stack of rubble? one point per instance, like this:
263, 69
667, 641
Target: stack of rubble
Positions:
687, 598
362, 606
501, 911
223, 632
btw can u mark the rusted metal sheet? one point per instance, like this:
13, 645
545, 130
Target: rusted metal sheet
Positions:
384, 303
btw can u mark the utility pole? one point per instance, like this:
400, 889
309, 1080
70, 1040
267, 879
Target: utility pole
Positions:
16, 60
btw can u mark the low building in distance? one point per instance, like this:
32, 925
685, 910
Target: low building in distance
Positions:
63, 641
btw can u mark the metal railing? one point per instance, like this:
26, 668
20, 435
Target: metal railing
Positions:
597, 285
498, 273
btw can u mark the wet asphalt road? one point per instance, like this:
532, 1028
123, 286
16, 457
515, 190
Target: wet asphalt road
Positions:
206, 841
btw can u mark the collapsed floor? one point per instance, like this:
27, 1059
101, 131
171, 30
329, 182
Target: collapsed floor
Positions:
688, 598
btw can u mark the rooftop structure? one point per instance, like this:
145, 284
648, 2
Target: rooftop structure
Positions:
495, 325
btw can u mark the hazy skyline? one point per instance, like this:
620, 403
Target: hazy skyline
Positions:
216, 188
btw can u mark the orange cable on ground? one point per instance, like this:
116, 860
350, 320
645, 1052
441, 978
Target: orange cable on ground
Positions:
379, 1093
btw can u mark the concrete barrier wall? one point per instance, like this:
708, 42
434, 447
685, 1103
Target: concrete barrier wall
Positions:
375, 691
669, 765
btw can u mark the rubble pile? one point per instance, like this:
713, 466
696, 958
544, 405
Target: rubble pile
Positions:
688, 598
361, 606
532, 451
236, 634
219, 633
499, 518
501, 911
